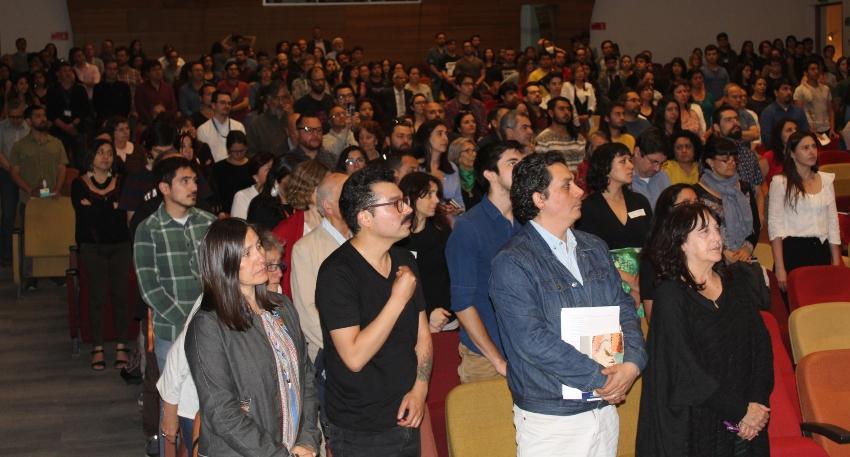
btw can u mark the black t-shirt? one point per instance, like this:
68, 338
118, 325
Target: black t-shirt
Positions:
599, 219
350, 292
229, 179
429, 249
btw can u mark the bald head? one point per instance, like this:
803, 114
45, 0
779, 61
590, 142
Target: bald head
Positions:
327, 195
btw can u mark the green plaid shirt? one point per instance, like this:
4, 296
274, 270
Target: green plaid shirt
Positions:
166, 257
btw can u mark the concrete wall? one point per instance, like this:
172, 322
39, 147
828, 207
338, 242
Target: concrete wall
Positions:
673, 28
35, 20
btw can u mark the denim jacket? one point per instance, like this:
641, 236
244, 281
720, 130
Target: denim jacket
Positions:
529, 287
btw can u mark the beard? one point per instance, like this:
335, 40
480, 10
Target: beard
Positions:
735, 134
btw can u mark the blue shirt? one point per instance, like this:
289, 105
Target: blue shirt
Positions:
652, 188
774, 113
565, 252
476, 238
715, 81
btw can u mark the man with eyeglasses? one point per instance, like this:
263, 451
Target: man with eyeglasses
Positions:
650, 154
465, 102
268, 129
317, 102
339, 135
377, 344
635, 123
12, 129
727, 124
309, 130
214, 131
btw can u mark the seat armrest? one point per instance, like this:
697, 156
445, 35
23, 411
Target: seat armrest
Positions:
833, 432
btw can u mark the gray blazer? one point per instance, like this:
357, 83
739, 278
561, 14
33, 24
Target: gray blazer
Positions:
237, 383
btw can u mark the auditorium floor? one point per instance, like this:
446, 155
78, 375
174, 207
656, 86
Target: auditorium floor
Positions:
52, 403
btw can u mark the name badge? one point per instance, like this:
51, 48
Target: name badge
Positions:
637, 213
66, 113
415, 254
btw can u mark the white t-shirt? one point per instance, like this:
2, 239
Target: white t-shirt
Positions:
215, 136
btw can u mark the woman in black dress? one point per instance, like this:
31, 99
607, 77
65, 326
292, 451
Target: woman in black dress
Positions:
233, 173
429, 233
710, 372
615, 213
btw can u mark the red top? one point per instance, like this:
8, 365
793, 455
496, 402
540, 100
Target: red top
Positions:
288, 231
774, 167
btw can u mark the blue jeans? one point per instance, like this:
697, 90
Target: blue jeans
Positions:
161, 348
8, 206
395, 442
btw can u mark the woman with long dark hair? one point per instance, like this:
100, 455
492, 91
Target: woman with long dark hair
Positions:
429, 233
104, 241
261, 164
668, 116
802, 216
706, 389
432, 142
772, 160
247, 354
271, 206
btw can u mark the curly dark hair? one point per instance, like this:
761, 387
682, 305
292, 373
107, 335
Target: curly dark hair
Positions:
665, 249
357, 193
600, 164
692, 137
530, 176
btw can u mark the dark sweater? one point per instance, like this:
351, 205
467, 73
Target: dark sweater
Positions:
229, 179
100, 222
598, 218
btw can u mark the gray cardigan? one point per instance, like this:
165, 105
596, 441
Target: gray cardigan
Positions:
235, 371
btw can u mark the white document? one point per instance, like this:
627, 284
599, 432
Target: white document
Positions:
595, 332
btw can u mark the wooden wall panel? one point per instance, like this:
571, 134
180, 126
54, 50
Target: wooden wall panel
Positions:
400, 32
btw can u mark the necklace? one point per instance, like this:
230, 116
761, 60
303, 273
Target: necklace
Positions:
98, 185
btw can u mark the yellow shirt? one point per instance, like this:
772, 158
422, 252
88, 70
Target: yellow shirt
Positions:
626, 139
678, 175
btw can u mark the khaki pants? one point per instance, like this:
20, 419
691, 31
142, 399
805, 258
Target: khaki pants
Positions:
474, 367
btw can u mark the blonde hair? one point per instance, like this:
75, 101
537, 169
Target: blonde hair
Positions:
457, 147
303, 182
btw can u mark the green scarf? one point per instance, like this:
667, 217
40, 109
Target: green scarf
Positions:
467, 179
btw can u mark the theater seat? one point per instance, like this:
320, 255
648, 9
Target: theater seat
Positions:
842, 178
444, 378
818, 284
628, 412
479, 420
825, 398
786, 439
819, 327
764, 253
48, 233
831, 156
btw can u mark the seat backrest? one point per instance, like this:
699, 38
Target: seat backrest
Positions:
628, 411
844, 227
819, 327
444, 378
764, 254
825, 393
818, 284
785, 407
840, 169
48, 227
828, 157
70, 175
479, 420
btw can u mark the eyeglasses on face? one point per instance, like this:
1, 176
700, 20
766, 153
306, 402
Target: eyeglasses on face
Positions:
273, 267
355, 160
399, 204
309, 130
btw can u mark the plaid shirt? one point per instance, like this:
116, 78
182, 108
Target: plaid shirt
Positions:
166, 256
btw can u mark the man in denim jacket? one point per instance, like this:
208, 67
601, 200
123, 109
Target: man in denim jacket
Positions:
545, 267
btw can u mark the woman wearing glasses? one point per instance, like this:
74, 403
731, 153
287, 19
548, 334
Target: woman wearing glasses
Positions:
350, 160
247, 354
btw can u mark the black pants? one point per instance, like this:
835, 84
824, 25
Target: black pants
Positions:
803, 252
107, 267
395, 442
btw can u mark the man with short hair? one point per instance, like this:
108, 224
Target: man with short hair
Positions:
401, 164
544, 67
635, 124
476, 237
396, 100
126, 73
532, 93
736, 97
268, 130
610, 83
727, 56
614, 124
716, 76
309, 131
214, 131
69, 110
309, 252
782, 107
12, 129
154, 92
377, 343
190, 92
434, 58
107, 50
339, 134
400, 138
87, 74
434, 110
111, 97
464, 101
726, 124
544, 270
516, 126
172, 63
240, 104
562, 134
816, 100
318, 102
470, 64
509, 94
165, 250
494, 120
448, 71
650, 154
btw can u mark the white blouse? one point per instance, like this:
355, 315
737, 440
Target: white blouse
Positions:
815, 215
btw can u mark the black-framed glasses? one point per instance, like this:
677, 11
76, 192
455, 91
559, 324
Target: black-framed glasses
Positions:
399, 204
310, 130
273, 267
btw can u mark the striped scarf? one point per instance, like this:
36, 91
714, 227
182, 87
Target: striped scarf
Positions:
286, 361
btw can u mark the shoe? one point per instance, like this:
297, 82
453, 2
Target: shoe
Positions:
100, 365
152, 446
31, 284
119, 364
